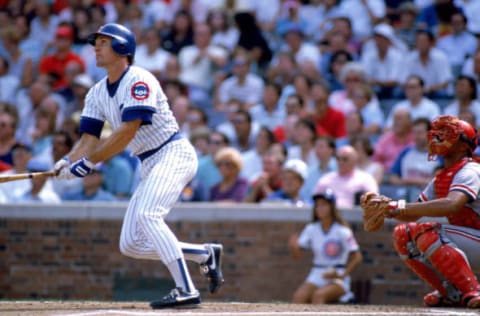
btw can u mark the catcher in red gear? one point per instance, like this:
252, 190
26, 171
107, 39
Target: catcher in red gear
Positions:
443, 254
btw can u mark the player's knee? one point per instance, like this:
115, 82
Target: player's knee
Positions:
145, 219
319, 297
428, 237
126, 246
401, 238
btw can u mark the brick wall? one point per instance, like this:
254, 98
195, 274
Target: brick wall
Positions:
78, 258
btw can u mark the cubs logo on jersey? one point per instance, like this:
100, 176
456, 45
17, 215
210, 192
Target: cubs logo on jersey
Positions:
333, 248
140, 90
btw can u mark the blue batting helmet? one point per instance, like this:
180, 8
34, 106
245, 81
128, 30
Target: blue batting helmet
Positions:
123, 40
326, 195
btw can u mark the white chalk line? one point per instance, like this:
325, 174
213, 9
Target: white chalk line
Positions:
323, 313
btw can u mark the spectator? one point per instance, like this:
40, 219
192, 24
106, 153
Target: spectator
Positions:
458, 45
22, 51
8, 126
466, 99
471, 68
179, 107
363, 14
241, 130
351, 75
150, 54
9, 82
199, 139
118, 176
372, 115
290, 16
406, 27
196, 118
45, 126
180, 33
336, 62
304, 137
21, 155
436, 16
81, 84
232, 187
348, 182
208, 174
428, 63
224, 33
243, 85
383, 62
43, 25
72, 70
293, 175
302, 85
269, 113
364, 148
416, 103
282, 69
307, 56
355, 127
328, 120
472, 12
412, 166
325, 149
392, 142
62, 143
53, 65
294, 106
252, 159
92, 188
252, 41
335, 254
40, 190
198, 63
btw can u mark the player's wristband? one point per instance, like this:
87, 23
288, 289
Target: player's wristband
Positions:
397, 207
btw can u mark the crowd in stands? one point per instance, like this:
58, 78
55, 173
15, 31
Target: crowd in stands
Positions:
281, 98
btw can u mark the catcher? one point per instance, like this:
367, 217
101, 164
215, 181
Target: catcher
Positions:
443, 255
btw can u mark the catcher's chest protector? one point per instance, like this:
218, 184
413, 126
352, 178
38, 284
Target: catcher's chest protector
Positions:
466, 217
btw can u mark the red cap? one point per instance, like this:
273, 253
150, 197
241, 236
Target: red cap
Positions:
64, 31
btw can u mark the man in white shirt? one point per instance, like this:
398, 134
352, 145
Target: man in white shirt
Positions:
150, 55
198, 64
243, 85
430, 63
416, 104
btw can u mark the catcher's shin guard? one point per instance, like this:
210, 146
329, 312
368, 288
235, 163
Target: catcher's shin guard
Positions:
405, 246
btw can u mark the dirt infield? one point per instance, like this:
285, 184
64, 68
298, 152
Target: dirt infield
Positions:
87, 308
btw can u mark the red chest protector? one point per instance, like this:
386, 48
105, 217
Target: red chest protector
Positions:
466, 216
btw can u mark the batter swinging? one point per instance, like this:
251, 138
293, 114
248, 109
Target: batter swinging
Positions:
132, 101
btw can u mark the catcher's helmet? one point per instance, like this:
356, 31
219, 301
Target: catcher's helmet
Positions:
446, 131
123, 40
327, 195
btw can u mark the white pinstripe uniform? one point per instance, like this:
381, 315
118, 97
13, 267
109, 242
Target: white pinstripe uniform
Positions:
165, 171
330, 250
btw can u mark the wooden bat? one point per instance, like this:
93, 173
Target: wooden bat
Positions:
22, 176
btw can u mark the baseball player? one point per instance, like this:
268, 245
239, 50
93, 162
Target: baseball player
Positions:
443, 255
335, 254
132, 101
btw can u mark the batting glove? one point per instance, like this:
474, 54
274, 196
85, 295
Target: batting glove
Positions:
62, 163
82, 167
65, 174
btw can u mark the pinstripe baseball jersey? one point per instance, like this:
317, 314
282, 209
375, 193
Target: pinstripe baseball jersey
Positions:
137, 94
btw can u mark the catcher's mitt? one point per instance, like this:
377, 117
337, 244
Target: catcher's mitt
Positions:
375, 207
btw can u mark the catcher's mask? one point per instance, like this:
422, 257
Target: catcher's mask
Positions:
445, 132
327, 195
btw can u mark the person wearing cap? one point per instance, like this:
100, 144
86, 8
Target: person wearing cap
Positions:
293, 175
54, 65
40, 189
348, 182
406, 27
383, 61
21, 155
336, 254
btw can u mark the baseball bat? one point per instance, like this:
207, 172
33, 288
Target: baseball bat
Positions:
29, 175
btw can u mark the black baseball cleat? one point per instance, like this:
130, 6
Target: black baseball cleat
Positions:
178, 298
212, 268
